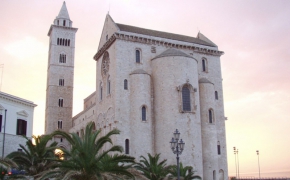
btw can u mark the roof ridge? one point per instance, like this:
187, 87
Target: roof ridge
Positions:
162, 34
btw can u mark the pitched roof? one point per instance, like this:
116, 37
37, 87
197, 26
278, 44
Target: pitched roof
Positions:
172, 52
139, 71
204, 80
161, 34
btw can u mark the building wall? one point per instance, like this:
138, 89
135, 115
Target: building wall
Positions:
17, 108
156, 83
56, 71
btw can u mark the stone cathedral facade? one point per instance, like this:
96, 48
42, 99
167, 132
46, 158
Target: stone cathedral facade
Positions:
148, 83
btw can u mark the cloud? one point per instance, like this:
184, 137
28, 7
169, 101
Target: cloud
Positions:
25, 48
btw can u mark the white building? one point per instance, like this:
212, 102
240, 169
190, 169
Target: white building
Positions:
18, 122
148, 83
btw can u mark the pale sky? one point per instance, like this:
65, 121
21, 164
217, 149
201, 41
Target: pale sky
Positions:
255, 36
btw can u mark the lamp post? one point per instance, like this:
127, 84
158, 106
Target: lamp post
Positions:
236, 152
177, 148
258, 163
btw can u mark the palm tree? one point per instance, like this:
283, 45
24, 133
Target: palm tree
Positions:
151, 168
186, 172
35, 158
86, 159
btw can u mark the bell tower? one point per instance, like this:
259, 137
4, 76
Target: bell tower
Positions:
60, 73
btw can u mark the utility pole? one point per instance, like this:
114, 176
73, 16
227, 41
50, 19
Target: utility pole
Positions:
258, 163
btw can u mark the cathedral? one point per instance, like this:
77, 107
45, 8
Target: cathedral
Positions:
148, 84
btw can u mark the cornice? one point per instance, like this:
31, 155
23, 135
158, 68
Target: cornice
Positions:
16, 99
64, 27
152, 41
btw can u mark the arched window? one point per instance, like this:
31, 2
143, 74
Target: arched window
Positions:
204, 65
57, 41
216, 95
125, 84
60, 102
218, 148
127, 146
59, 124
138, 57
57, 22
63, 22
186, 98
82, 133
68, 42
108, 85
143, 113
62, 58
221, 174
61, 82
61, 42
101, 91
210, 116
94, 126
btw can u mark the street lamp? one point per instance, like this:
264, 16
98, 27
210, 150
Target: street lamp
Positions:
258, 163
177, 148
236, 152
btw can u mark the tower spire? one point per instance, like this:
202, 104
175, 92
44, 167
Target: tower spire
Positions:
63, 19
63, 13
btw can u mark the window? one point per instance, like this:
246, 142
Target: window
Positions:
61, 82
60, 102
82, 133
210, 116
219, 148
214, 175
19, 150
62, 58
63, 22
143, 113
186, 98
138, 56
216, 95
59, 124
125, 84
0, 123
60, 139
63, 42
108, 86
101, 91
94, 126
221, 174
21, 127
127, 146
204, 65
57, 22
